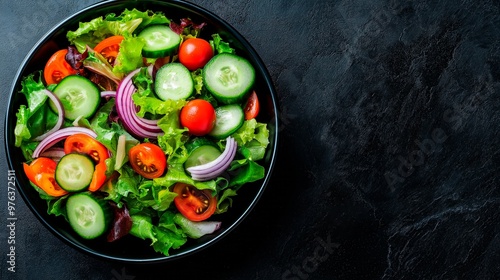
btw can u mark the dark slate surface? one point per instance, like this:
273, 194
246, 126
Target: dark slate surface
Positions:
389, 151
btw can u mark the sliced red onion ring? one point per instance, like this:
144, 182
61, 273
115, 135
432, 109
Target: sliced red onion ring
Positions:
125, 107
60, 116
216, 167
108, 93
59, 135
53, 153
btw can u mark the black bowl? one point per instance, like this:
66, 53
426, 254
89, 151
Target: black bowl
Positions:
131, 249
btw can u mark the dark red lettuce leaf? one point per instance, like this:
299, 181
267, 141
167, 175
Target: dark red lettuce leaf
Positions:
186, 26
75, 58
122, 223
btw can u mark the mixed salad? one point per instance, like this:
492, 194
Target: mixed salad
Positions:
142, 127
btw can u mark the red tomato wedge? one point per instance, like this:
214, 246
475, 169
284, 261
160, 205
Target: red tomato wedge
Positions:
196, 205
148, 160
109, 48
252, 106
57, 68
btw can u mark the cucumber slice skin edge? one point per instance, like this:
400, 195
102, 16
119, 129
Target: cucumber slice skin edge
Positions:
173, 81
88, 215
160, 41
229, 118
79, 96
229, 78
74, 172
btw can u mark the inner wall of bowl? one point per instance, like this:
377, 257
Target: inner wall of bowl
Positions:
132, 249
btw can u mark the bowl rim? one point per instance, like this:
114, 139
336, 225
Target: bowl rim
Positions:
191, 7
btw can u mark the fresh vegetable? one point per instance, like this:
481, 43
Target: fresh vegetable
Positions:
41, 173
194, 53
148, 160
160, 147
229, 118
74, 172
202, 155
173, 81
127, 111
213, 169
98, 177
59, 135
122, 223
228, 77
198, 116
85, 144
78, 95
92, 32
60, 115
88, 215
252, 106
57, 68
160, 41
194, 204
196, 229
109, 48
98, 64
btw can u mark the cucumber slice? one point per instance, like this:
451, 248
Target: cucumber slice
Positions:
88, 215
74, 172
160, 41
228, 119
173, 81
196, 142
201, 155
79, 97
228, 77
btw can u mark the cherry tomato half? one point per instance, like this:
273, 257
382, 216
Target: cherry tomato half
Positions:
57, 68
41, 173
194, 53
109, 48
148, 160
198, 116
196, 205
252, 106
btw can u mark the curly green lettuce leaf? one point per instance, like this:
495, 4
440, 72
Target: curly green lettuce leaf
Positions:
143, 228
147, 17
84, 36
252, 138
245, 171
167, 240
36, 117
225, 201
130, 55
57, 206
219, 45
164, 236
127, 185
108, 134
92, 32
169, 235
177, 174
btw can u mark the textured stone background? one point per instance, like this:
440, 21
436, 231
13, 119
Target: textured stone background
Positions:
389, 153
